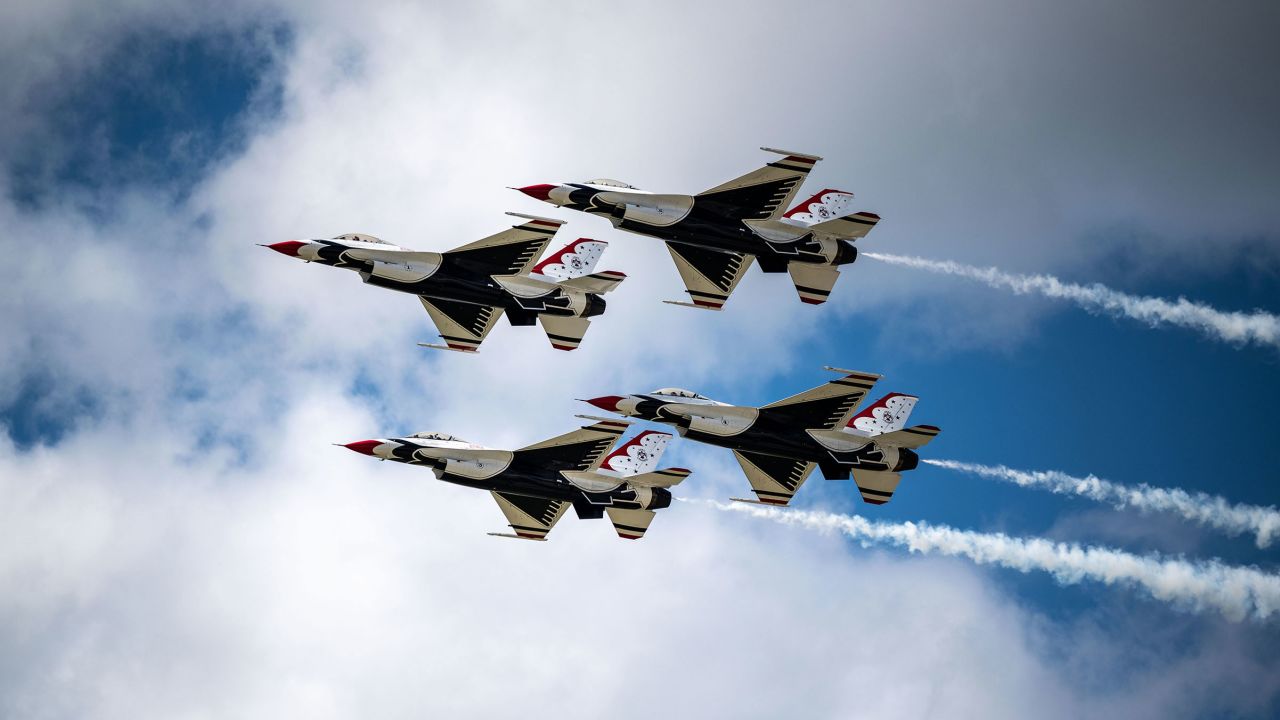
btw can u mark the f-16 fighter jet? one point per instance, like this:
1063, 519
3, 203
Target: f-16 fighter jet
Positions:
535, 485
714, 235
778, 445
467, 289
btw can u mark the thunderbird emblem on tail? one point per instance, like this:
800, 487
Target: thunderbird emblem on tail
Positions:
714, 236
467, 289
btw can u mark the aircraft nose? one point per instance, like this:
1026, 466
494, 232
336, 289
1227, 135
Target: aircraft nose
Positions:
364, 447
607, 402
288, 247
538, 192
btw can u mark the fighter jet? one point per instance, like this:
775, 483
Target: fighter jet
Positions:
714, 235
779, 445
535, 485
467, 289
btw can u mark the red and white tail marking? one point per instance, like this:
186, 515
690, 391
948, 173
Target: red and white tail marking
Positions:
639, 455
826, 205
576, 259
885, 415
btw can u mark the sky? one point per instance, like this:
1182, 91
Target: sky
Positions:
179, 538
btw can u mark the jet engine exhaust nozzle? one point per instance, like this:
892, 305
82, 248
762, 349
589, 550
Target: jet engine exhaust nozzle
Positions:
907, 460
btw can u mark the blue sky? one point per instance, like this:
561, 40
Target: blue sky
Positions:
169, 393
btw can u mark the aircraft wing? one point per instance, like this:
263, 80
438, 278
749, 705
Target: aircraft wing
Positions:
709, 276
826, 407
510, 252
581, 450
530, 517
774, 479
462, 326
762, 194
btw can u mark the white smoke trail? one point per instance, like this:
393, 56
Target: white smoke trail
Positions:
1258, 327
1236, 592
1208, 510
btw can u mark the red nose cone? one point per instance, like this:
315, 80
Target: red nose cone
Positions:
608, 402
364, 447
288, 247
538, 192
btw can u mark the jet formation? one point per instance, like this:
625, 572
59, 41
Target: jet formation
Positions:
713, 237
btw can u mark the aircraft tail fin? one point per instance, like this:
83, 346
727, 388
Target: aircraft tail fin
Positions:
576, 259
639, 455
885, 415
825, 205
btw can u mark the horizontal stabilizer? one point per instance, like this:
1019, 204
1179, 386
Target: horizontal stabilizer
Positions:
876, 487
850, 227
565, 333
598, 283
912, 437
663, 478
813, 282
630, 524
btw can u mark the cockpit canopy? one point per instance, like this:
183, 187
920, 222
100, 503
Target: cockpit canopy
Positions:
436, 436
360, 237
606, 182
679, 393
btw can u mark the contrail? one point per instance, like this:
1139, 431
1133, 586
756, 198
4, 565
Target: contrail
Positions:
1237, 592
1208, 510
1258, 327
